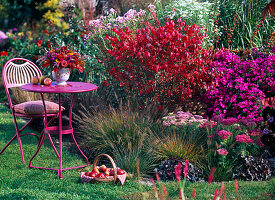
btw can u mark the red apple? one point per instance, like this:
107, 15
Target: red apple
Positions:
35, 80
120, 172
101, 175
87, 174
95, 170
93, 174
103, 168
48, 81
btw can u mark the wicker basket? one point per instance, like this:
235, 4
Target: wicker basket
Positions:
107, 179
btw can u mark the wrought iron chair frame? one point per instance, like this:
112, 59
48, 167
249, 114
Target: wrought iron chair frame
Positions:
16, 75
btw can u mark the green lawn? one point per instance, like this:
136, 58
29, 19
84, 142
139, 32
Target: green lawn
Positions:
17, 181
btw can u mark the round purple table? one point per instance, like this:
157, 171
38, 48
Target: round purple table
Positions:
71, 87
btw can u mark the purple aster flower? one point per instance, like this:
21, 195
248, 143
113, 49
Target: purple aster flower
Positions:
265, 131
271, 119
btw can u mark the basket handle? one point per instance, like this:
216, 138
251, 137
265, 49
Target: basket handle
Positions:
112, 161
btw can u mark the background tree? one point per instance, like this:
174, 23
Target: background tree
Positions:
16, 12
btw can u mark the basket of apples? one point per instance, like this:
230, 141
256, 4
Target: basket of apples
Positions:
102, 173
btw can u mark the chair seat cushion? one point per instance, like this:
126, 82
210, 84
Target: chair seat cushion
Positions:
37, 108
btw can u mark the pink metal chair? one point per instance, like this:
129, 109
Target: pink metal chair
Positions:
15, 75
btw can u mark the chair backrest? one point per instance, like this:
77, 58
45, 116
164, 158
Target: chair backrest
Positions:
15, 75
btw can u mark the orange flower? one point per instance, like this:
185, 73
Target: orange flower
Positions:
46, 63
39, 43
72, 65
63, 48
76, 55
64, 63
60, 57
79, 68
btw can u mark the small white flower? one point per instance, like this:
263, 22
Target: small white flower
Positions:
151, 7
112, 11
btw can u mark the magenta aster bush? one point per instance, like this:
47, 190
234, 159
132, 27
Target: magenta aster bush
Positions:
241, 85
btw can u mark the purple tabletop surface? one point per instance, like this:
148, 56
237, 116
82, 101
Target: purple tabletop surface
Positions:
71, 87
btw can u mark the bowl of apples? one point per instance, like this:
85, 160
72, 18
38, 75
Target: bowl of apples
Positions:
102, 173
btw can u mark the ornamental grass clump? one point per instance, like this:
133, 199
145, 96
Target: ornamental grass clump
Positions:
181, 138
124, 134
177, 146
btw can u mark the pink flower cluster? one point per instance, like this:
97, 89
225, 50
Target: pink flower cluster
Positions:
259, 142
232, 120
222, 151
208, 124
229, 121
183, 118
223, 134
255, 132
244, 139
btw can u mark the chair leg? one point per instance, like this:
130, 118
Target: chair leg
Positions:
42, 138
18, 136
21, 149
13, 138
19, 139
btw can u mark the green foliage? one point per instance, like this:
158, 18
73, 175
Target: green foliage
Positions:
241, 24
3, 60
15, 12
193, 12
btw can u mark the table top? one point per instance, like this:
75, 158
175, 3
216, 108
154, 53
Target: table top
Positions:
71, 87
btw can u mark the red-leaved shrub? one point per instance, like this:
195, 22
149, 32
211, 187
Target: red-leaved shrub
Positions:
166, 64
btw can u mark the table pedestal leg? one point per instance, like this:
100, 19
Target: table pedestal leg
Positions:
60, 139
71, 125
43, 134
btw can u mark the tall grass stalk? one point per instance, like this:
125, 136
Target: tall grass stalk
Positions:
241, 24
